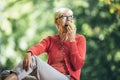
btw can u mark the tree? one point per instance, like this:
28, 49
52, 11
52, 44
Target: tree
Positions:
26, 22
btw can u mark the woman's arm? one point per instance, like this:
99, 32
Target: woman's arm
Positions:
78, 52
35, 50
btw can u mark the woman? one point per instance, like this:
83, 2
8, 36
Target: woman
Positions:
66, 53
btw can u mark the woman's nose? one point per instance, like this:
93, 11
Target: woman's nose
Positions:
68, 19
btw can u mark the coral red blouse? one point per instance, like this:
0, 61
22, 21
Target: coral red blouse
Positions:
67, 57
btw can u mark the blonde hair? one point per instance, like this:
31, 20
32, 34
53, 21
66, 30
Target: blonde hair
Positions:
61, 11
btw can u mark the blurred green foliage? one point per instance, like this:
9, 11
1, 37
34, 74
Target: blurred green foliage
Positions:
24, 23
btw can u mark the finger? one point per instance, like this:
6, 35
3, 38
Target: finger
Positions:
70, 31
31, 64
68, 28
72, 25
25, 65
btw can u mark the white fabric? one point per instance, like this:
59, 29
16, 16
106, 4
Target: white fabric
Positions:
41, 70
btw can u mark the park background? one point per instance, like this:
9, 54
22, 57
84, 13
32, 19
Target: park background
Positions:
24, 23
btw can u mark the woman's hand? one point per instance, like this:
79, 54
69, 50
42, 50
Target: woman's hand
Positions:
27, 61
71, 32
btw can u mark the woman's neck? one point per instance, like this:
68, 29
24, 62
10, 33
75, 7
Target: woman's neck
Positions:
63, 36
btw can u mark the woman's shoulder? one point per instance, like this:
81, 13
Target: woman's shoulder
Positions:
53, 37
80, 36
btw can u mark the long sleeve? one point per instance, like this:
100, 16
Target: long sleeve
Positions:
40, 47
78, 52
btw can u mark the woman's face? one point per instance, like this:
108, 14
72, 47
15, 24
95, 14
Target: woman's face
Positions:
63, 21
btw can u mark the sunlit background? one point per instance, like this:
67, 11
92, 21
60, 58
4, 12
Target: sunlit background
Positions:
23, 23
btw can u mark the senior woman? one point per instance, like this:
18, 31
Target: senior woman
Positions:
66, 53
